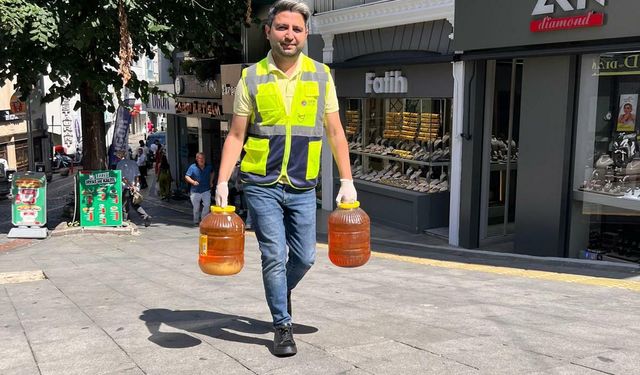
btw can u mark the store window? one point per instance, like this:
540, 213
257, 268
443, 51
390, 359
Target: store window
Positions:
399, 142
606, 209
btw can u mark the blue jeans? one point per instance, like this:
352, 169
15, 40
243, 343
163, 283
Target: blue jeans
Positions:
282, 218
196, 200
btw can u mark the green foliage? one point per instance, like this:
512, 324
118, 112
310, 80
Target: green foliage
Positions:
77, 41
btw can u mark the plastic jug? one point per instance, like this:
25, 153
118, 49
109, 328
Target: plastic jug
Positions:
349, 235
221, 242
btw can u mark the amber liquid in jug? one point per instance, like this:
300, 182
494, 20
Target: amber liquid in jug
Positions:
349, 235
221, 242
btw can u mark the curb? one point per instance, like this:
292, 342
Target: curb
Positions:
63, 229
436, 251
14, 244
452, 253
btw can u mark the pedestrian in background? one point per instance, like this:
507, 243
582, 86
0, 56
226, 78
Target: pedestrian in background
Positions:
200, 177
141, 161
164, 178
130, 185
281, 160
158, 159
144, 147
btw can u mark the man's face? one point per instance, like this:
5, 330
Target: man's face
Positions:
200, 160
287, 35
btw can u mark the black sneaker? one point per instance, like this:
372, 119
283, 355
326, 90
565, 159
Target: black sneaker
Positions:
289, 302
147, 221
283, 344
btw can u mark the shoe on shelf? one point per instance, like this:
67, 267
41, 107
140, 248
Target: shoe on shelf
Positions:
283, 343
147, 221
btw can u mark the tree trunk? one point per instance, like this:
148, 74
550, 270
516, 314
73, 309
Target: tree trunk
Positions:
94, 155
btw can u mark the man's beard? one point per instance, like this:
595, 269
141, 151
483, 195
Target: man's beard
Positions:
280, 52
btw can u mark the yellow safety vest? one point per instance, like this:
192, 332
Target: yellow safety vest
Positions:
280, 145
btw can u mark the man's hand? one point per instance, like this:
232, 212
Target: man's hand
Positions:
222, 194
347, 192
195, 183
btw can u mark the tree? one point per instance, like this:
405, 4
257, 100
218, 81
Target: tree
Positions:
77, 43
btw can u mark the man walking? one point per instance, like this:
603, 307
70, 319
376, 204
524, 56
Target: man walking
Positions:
283, 103
200, 177
130, 184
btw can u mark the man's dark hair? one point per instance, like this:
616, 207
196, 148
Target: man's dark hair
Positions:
288, 6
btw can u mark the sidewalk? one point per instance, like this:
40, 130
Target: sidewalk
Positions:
140, 305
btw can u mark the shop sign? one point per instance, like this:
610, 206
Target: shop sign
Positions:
29, 204
199, 108
161, 103
549, 23
16, 105
391, 83
189, 86
617, 65
100, 198
6, 115
230, 75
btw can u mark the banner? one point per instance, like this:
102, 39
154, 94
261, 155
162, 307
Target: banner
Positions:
77, 128
120, 141
67, 134
100, 198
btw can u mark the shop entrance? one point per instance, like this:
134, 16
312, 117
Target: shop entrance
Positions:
500, 155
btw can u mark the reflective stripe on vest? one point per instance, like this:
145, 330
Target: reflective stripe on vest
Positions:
280, 145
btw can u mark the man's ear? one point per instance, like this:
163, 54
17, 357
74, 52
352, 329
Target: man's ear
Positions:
267, 29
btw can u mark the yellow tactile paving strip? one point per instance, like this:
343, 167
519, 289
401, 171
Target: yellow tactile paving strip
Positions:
518, 272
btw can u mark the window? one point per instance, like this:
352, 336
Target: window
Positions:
606, 181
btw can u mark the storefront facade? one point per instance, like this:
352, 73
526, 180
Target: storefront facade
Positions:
392, 66
194, 125
550, 154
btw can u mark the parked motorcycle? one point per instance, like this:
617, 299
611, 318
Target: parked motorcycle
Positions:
61, 161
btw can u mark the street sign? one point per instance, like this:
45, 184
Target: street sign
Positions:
100, 194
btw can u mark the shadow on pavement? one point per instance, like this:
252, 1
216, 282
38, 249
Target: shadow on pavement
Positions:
217, 325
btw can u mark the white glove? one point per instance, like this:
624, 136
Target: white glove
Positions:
222, 194
347, 192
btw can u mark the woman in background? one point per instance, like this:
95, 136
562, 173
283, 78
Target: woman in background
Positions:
164, 178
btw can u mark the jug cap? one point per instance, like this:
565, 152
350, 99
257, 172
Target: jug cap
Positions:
347, 206
223, 209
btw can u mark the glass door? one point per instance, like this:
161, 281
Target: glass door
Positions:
500, 155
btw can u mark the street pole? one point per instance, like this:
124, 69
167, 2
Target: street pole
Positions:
30, 136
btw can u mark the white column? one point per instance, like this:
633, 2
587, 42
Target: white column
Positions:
327, 156
456, 152
327, 51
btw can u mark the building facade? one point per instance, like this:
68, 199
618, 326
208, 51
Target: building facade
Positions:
392, 65
552, 127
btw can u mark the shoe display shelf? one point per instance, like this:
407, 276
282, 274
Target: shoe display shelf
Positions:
403, 209
400, 155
